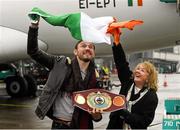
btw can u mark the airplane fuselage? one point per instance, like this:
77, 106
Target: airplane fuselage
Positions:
161, 26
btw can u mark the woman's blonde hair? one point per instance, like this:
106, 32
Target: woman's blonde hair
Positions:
153, 76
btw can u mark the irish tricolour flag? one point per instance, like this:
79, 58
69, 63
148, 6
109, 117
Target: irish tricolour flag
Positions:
80, 25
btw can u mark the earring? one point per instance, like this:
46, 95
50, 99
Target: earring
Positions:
146, 83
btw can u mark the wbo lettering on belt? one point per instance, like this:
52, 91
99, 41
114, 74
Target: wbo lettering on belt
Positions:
99, 99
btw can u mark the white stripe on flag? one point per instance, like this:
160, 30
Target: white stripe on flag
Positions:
94, 30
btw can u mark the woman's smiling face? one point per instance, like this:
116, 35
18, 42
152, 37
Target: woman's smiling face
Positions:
141, 75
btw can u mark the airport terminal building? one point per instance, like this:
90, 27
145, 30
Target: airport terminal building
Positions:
166, 60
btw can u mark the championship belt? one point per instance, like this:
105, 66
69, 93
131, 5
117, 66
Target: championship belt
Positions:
98, 99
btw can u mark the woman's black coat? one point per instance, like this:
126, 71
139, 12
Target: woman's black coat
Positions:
142, 113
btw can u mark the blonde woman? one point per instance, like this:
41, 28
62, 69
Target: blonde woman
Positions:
139, 88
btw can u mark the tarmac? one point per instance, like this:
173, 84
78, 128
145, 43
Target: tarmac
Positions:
19, 113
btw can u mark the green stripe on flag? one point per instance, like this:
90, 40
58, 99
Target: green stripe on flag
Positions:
70, 21
73, 23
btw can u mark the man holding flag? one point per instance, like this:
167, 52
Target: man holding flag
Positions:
71, 75
66, 77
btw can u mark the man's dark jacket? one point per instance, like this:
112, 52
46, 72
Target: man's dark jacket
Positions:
61, 69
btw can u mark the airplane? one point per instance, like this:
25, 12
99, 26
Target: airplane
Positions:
161, 27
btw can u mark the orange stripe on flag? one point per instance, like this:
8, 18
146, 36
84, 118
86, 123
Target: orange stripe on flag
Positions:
140, 2
115, 28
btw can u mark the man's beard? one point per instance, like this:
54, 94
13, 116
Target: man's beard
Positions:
85, 59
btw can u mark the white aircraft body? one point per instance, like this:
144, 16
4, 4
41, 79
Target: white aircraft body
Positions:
161, 27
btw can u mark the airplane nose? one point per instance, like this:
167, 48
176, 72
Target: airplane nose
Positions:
13, 45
